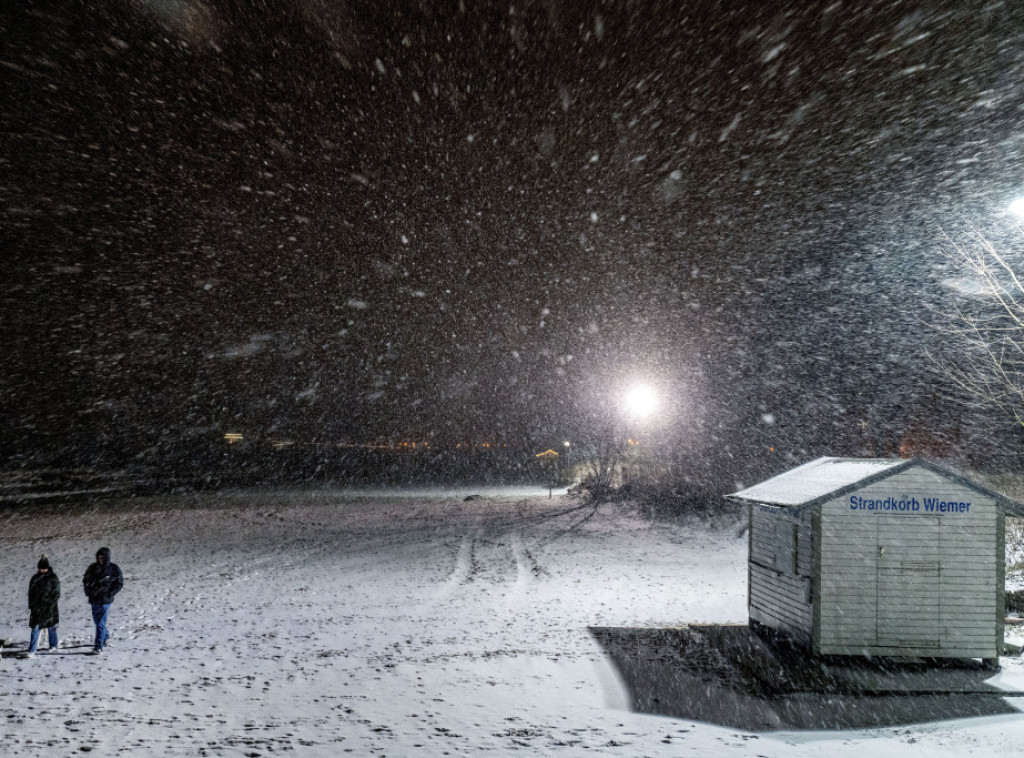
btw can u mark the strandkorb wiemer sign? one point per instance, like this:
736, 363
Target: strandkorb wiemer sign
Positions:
906, 504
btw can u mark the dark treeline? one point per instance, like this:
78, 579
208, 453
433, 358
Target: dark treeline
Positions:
217, 465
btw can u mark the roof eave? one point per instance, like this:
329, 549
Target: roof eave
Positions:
1011, 507
838, 492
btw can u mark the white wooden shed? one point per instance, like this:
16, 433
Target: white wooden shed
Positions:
879, 557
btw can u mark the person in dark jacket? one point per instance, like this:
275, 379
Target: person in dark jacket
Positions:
102, 581
43, 594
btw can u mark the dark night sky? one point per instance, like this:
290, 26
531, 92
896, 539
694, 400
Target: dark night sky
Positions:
345, 220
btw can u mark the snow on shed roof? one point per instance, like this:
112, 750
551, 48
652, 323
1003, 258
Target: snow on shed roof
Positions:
824, 478
816, 480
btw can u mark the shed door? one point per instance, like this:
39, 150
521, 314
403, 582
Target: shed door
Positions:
908, 581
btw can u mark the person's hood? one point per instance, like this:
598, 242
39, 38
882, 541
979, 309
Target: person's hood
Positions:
105, 552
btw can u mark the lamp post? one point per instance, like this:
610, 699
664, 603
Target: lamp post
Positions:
641, 402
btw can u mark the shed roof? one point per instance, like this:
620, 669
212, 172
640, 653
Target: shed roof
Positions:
825, 478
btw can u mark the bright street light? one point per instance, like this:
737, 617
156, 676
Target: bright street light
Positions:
1017, 207
641, 401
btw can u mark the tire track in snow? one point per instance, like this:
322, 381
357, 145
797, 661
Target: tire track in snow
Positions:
528, 571
464, 568
495, 561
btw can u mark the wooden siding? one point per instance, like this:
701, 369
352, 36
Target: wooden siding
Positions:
779, 578
1000, 610
910, 582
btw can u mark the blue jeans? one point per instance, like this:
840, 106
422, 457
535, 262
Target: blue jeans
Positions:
34, 640
99, 617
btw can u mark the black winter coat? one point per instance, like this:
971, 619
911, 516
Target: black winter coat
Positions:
101, 583
43, 594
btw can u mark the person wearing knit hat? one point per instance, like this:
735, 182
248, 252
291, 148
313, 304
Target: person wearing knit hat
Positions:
43, 594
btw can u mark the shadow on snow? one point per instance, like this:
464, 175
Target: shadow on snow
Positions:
19, 650
730, 676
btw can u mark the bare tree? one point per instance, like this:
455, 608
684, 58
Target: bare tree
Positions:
604, 460
982, 352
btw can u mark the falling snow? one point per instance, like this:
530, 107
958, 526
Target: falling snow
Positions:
282, 245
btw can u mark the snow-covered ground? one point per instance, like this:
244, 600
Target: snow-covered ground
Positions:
255, 623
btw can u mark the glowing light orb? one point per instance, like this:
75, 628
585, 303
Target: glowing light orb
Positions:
1017, 207
641, 401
